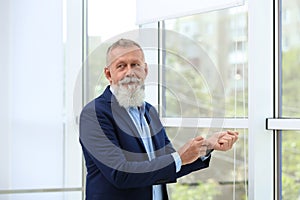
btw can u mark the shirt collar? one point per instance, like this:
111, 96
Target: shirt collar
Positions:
140, 109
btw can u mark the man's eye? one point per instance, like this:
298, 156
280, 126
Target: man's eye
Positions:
135, 65
120, 66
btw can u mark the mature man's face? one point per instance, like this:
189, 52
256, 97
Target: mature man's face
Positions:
126, 62
126, 72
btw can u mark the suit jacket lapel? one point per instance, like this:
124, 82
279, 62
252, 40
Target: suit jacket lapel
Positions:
121, 117
154, 136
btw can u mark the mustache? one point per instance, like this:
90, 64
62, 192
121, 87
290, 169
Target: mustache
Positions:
130, 80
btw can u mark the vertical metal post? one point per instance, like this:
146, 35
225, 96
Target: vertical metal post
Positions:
261, 99
277, 98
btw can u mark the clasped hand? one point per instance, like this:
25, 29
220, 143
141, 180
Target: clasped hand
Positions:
198, 146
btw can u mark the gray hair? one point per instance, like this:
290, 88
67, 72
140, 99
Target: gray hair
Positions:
125, 43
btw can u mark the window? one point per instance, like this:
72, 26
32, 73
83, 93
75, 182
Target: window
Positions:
289, 98
208, 71
211, 67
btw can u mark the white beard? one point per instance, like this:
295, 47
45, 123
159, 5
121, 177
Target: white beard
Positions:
132, 95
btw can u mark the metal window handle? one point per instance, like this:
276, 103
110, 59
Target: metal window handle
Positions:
283, 124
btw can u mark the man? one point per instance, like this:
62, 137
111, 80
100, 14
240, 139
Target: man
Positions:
127, 152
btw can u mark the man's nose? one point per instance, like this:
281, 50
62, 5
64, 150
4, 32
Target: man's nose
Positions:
130, 71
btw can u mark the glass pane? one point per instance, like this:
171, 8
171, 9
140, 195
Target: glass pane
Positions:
226, 177
43, 196
104, 23
290, 165
290, 107
290, 58
205, 65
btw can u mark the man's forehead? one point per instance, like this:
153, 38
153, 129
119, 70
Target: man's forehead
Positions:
120, 52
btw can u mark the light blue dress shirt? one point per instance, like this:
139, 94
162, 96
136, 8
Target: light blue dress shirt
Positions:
137, 116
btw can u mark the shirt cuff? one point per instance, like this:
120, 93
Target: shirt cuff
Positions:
177, 160
208, 154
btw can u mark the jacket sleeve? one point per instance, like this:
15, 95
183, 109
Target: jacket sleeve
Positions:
195, 166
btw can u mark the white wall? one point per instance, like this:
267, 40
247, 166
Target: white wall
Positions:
32, 67
4, 88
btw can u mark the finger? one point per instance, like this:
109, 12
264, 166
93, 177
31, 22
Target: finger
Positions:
235, 137
225, 138
198, 138
226, 143
221, 134
231, 138
198, 141
233, 133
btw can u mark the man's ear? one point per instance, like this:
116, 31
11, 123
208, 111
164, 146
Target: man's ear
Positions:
107, 73
146, 69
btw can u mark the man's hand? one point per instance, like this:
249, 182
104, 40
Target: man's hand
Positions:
222, 141
192, 150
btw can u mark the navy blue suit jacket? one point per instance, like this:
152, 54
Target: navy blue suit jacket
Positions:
116, 160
